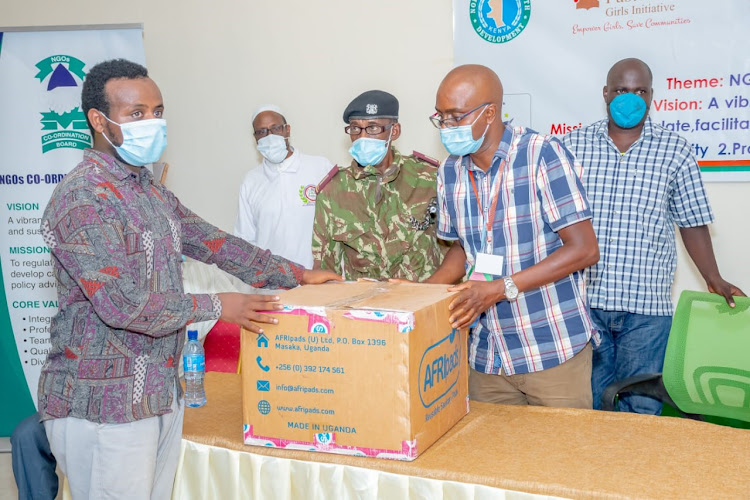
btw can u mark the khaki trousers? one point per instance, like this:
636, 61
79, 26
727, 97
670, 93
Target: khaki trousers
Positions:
565, 385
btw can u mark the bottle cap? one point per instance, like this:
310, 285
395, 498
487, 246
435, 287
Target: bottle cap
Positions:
192, 334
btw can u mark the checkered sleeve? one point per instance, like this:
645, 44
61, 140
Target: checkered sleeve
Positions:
688, 204
559, 185
445, 229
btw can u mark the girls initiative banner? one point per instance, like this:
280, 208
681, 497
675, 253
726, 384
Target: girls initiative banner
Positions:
42, 134
553, 58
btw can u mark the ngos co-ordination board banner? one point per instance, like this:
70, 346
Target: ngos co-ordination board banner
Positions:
42, 134
553, 58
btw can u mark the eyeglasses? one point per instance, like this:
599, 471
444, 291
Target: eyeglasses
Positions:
274, 129
370, 129
452, 122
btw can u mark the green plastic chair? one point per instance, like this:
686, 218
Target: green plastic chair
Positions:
707, 363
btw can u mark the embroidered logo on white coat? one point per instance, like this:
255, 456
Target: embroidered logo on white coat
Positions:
308, 194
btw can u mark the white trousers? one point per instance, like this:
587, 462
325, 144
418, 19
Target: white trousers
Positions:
137, 460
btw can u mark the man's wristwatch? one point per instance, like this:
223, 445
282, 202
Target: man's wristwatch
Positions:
511, 290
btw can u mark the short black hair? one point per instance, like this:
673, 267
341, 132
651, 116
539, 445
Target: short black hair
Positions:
93, 94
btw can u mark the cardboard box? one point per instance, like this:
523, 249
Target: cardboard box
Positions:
370, 369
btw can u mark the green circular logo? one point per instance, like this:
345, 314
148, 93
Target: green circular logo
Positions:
499, 21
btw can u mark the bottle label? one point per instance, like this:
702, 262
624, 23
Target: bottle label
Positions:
194, 363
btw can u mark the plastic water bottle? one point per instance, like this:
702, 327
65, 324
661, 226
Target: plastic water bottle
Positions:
194, 365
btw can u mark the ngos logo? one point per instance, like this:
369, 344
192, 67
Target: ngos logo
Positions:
439, 369
307, 194
63, 122
499, 21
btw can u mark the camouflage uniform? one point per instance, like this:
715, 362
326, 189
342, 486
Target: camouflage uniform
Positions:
380, 228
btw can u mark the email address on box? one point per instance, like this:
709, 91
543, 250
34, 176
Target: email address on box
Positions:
303, 389
306, 411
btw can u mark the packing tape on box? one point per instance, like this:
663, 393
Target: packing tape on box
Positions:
318, 321
404, 321
326, 442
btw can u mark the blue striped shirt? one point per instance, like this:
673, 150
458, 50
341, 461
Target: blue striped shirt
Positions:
540, 193
637, 197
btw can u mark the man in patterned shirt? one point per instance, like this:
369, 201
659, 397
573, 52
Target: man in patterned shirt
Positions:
642, 180
109, 396
376, 217
515, 204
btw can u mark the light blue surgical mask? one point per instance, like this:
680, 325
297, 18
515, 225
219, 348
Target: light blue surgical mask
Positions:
143, 141
627, 110
460, 141
368, 151
273, 148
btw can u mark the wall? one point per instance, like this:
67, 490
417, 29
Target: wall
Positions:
217, 61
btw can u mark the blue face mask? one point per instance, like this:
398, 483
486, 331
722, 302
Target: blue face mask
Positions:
143, 141
627, 110
367, 151
460, 141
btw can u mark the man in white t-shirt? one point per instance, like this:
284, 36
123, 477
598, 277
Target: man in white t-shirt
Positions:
277, 199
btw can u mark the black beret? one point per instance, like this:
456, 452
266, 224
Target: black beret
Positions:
372, 104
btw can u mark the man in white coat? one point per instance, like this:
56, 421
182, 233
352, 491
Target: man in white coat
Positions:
277, 199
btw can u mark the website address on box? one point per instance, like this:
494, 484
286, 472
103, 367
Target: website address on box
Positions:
303, 389
306, 411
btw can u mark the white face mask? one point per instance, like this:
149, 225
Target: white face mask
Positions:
273, 148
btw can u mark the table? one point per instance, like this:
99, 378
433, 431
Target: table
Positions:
495, 451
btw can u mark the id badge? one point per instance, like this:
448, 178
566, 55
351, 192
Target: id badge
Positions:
487, 267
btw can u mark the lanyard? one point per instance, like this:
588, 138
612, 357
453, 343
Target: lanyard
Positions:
495, 194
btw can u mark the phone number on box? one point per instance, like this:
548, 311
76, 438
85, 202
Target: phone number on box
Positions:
310, 368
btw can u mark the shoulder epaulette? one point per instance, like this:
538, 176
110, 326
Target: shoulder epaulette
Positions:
328, 178
425, 158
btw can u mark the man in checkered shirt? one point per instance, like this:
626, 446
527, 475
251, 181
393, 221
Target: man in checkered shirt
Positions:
513, 202
641, 180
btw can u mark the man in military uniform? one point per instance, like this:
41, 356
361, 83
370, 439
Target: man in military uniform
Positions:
376, 217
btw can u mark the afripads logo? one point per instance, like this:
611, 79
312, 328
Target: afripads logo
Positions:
63, 124
499, 21
439, 368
